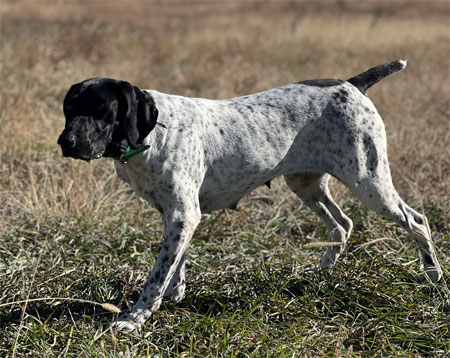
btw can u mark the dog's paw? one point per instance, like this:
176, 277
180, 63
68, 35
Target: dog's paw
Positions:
179, 293
129, 322
123, 326
176, 293
431, 274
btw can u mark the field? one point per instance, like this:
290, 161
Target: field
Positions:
72, 232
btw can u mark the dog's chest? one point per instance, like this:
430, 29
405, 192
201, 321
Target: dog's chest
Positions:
139, 180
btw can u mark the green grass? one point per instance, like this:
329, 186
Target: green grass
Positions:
249, 293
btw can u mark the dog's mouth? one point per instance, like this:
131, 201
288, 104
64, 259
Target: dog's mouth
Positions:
86, 158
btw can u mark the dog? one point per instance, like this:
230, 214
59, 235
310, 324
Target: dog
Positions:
188, 156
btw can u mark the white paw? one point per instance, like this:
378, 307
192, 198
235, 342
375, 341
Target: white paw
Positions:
124, 326
329, 258
127, 323
178, 293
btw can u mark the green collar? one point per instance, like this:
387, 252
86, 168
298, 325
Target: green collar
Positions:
130, 153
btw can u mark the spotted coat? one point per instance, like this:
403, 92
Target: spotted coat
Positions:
208, 154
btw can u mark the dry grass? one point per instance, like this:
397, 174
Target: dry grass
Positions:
217, 51
213, 50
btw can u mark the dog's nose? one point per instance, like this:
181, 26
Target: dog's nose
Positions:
67, 141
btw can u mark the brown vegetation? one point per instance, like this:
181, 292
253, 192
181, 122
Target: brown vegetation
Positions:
49, 204
215, 50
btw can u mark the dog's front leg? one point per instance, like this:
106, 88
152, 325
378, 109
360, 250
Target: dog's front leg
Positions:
180, 226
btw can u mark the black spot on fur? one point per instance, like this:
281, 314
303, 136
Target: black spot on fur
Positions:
344, 95
341, 96
326, 82
179, 225
157, 275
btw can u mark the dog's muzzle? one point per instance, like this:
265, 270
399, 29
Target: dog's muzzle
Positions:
70, 148
67, 141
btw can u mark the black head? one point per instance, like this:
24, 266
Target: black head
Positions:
103, 116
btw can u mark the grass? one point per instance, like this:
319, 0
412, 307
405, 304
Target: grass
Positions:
74, 230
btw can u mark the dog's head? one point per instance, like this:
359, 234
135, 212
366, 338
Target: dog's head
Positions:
101, 115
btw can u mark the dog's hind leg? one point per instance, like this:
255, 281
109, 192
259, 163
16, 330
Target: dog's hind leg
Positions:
371, 181
312, 188
378, 194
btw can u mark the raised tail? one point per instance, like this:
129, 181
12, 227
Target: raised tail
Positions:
365, 80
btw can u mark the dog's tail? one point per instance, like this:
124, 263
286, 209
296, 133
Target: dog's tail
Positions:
367, 79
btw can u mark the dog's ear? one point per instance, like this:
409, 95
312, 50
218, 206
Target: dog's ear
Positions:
138, 113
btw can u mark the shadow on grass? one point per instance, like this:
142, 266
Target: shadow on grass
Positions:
213, 302
46, 312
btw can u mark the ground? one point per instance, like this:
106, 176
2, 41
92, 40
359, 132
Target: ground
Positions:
73, 230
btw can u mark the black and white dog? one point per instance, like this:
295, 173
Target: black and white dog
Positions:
207, 154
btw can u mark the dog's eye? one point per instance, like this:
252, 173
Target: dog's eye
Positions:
68, 107
100, 107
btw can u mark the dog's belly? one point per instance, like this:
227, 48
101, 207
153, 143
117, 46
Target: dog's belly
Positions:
220, 191
221, 199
